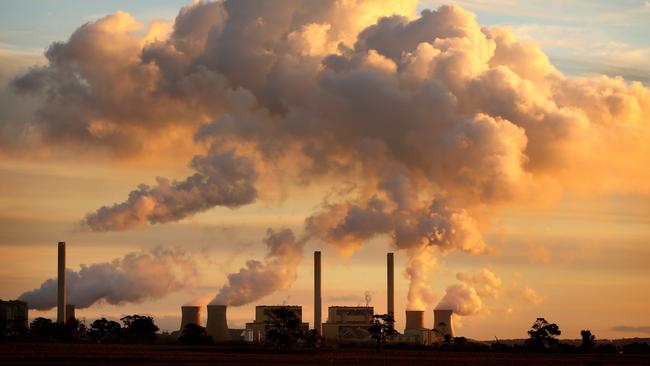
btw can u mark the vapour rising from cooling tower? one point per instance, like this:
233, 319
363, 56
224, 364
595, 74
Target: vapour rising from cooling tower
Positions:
136, 277
434, 119
474, 290
260, 278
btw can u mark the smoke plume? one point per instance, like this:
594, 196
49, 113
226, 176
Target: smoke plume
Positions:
258, 279
434, 119
469, 295
132, 279
474, 291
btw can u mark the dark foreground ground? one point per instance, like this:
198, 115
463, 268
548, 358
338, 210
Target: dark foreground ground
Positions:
91, 354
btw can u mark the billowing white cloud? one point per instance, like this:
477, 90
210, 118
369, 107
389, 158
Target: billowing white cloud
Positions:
434, 119
136, 277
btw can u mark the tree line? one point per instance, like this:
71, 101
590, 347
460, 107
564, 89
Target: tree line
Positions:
284, 330
138, 329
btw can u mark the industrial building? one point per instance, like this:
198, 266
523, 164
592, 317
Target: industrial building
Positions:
443, 323
347, 324
190, 315
13, 316
264, 317
70, 313
61, 290
217, 326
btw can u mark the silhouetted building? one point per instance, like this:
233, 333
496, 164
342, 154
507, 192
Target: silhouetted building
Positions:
190, 315
264, 317
13, 316
61, 291
415, 332
348, 324
70, 312
443, 322
217, 324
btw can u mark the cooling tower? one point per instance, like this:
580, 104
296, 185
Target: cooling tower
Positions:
414, 320
317, 293
70, 312
217, 326
60, 310
390, 283
190, 314
443, 322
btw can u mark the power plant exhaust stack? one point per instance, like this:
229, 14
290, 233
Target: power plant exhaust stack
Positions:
318, 323
190, 314
70, 312
60, 311
217, 326
443, 322
414, 320
390, 282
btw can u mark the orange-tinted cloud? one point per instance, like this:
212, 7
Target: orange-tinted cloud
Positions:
433, 119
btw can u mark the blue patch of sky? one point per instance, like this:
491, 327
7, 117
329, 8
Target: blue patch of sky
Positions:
32, 25
594, 33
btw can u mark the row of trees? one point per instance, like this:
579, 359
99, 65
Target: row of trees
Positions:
133, 329
286, 330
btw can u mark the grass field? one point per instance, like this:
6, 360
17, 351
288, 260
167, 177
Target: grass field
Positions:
92, 354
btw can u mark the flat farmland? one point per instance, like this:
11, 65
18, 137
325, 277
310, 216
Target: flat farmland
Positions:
92, 354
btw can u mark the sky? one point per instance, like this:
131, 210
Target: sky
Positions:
515, 220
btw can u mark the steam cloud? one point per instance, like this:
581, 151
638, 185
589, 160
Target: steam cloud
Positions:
435, 120
134, 278
468, 296
258, 279
475, 289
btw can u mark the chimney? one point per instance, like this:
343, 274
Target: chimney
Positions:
390, 308
443, 322
70, 312
217, 326
414, 320
190, 314
60, 313
317, 293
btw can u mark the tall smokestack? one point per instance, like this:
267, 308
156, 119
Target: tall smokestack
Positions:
443, 322
317, 294
60, 314
390, 283
217, 326
414, 320
190, 314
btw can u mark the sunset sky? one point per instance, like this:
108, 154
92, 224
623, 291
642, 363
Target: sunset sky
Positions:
499, 148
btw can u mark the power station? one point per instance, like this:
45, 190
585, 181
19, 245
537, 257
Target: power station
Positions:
344, 325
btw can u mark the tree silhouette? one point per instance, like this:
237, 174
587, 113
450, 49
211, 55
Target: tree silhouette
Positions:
588, 340
45, 330
13, 329
542, 334
139, 329
284, 327
105, 331
311, 338
71, 331
381, 327
41, 330
194, 334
